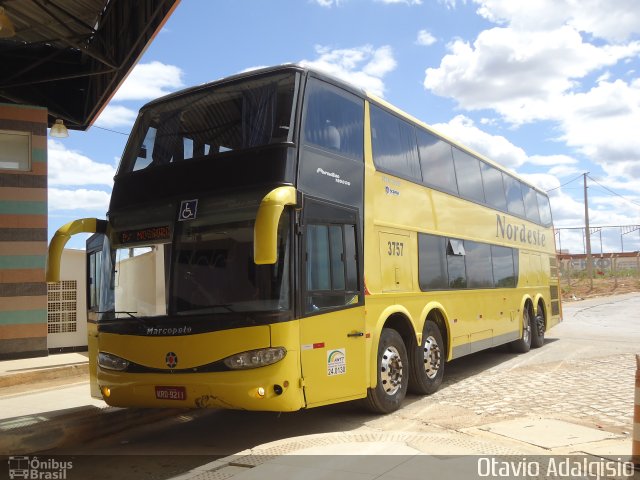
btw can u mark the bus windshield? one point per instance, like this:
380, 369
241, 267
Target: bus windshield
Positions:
214, 269
199, 266
212, 121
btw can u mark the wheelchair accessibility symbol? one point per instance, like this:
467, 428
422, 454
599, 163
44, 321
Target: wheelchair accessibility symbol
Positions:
188, 210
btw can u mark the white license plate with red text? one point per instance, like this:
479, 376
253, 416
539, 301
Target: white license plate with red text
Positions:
171, 393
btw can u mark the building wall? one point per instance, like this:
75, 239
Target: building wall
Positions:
23, 240
67, 306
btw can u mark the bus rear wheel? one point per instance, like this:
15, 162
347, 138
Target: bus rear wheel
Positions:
393, 374
537, 329
523, 344
427, 365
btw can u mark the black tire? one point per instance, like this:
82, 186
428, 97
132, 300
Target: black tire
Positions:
393, 374
427, 362
523, 344
537, 329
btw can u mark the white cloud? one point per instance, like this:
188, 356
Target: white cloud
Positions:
68, 167
520, 73
494, 147
149, 81
615, 21
81, 199
363, 66
116, 116
406, 2
328, 3
552, 160
602, 123
425, 38
543, 181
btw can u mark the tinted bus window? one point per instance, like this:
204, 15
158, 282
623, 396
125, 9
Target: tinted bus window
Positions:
513, 188
468, 175
436, 160
455, 264
334, 119
531, 204
493, 186
503, 271
318, 267
432, 262
478, 261
545, 209
394, 144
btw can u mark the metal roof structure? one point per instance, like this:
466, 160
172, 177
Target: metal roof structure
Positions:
71, 55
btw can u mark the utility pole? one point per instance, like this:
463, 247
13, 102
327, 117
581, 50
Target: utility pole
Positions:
587, 234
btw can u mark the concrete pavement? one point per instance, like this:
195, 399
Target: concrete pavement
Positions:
45, 403
573, 406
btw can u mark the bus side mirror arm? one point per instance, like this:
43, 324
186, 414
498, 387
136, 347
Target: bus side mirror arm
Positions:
265, 232
62, 236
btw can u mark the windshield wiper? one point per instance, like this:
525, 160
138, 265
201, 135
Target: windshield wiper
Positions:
131, 315
226, 306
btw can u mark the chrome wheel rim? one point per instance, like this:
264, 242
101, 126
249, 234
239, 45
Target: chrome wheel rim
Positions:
526, 327
432, 357
391, 370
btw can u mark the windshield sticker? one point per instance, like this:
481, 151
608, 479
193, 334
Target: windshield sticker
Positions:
188, 210
336, 362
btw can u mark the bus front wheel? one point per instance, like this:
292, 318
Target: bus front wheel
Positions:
427, 365
393, 374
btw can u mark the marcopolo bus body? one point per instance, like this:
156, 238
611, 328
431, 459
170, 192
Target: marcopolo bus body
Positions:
281, 240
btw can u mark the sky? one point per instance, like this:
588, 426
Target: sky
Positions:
550, 89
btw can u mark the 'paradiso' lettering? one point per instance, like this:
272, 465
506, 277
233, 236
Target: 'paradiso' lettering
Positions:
518, 233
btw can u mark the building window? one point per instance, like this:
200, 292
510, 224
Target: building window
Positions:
62, 306
15, 150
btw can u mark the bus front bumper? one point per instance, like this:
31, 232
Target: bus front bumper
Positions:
271, 388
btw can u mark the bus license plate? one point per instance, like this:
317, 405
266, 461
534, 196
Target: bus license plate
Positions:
171, 393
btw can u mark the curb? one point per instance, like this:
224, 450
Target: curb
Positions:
44, 374
78, 425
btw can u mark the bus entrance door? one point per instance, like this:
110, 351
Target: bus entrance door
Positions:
333, 356
98, 301
332, 335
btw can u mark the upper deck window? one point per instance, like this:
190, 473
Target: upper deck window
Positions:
334, 119
244, 114
394, 144
545, 209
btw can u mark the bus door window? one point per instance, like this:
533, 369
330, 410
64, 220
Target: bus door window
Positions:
99, 280
331, 265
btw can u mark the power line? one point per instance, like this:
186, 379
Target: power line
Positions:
614, 193
555, 188
108, 130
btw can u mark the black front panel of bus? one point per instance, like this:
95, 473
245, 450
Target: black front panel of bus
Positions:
271, 165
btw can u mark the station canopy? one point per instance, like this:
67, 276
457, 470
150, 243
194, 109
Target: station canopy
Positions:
71, 55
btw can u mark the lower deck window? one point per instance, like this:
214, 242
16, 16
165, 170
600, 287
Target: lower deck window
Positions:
448, 263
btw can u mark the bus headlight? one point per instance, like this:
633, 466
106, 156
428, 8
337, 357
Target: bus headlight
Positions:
112, 362
255, 358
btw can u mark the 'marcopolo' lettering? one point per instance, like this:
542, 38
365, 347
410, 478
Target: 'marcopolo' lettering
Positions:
518, 233
169, 331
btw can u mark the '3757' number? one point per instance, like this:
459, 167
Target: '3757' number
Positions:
395, 248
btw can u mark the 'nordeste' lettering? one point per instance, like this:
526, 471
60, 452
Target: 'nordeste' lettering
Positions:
518, 232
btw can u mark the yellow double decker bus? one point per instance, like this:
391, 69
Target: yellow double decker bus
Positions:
280, 240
